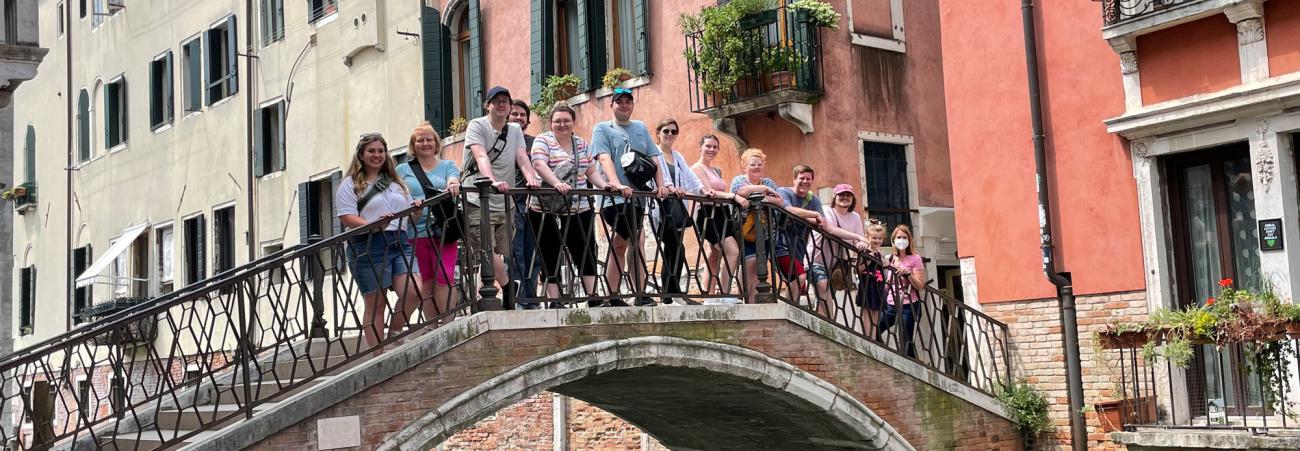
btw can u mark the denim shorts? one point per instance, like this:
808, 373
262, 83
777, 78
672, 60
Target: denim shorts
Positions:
818, 273
375, 258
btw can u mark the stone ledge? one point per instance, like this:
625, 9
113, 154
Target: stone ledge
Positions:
1185, 439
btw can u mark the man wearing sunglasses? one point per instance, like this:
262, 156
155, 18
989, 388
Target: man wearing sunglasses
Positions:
494, 149
613, 143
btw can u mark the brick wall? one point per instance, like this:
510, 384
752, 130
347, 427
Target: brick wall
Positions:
529, 425
926, 416
1035, 328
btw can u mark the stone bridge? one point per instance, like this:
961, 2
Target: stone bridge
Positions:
767, 376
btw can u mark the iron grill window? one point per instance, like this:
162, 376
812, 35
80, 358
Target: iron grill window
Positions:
888, 197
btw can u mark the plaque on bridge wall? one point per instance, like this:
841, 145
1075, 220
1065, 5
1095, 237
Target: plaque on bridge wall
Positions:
1270, 235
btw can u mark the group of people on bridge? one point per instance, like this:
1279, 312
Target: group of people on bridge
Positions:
545, 227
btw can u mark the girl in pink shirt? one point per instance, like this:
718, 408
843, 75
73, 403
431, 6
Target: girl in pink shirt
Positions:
905, 279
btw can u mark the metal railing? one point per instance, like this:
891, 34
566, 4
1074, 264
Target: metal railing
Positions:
781, 51
1118, 11
1245, 386
250, 335
27, 200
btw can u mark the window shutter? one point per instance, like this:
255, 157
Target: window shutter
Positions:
335, 179
205, 80
639, 17
432, 41
122, 107
583, 68
475, 109
304, 212
29, 155
109, 116
280, 130
169, 97
232, 59
540, 46
24, 306
83, 126
200, 238
259, 142
595, 43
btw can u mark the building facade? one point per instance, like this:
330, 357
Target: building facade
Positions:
1169, 133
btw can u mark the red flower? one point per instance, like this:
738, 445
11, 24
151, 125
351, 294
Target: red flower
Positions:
1225, 283
1209, 302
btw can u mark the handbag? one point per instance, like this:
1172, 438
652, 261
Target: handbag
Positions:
842, 269
444, 213
567, 173
673, 211
638, 167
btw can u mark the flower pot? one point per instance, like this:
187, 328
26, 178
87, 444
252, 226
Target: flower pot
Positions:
748, 87
1115, 414
566, 92
1293, 329
20, 191
782, 79
1125, 340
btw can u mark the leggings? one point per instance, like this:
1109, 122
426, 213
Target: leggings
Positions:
556, 233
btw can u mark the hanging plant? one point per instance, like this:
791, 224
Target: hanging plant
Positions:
557, 88
819, 13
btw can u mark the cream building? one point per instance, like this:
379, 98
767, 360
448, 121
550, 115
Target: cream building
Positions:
184, 125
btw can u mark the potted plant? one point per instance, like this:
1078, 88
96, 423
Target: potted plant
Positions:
614, 77
1114, 414
557, 88
1027, 407
15, 192
816, 12
724, 52
781, 62
458, 125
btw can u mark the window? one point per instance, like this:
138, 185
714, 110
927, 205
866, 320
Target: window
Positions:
29, 155
117, 395
120, 277
223, 67
623, 36
82, 10
81, 295
888, 196
276, 274
192, 372
223, 238
101, 10
58, 20
166, 239
83, 402
192, 74
463, 97
195, 250
162, 107
27, 300
568, 52
115, 113
269, 135
83, 126
319, 9
272, 21
316, 214
587, 38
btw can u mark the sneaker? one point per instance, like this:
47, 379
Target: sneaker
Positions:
642, 302
556, 306
616, 302
596, 303
715, 301
732, 301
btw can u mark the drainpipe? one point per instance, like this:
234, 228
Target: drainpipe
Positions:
249, 91
68, 32
1064, 287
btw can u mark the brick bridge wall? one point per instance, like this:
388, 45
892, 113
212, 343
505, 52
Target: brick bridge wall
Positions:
925, 415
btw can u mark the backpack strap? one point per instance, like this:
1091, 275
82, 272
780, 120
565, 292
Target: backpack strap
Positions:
379, 186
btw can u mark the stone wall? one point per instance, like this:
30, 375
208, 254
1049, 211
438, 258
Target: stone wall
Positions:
1035, 328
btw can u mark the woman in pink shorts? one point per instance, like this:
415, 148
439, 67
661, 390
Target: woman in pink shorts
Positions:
435, 255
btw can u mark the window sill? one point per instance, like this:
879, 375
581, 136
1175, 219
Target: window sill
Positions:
453, 139
162, 127
222, 101
631, 83
191, 114
892, 45
325, 20
117, 148
271, 176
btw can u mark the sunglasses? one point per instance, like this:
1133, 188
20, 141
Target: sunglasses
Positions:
371, 135
670, 131
618, 91
876, 221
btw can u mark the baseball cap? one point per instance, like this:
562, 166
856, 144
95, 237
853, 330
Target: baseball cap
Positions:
496, 90
844, 188
619, 92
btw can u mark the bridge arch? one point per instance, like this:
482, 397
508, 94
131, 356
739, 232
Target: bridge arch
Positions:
680, 388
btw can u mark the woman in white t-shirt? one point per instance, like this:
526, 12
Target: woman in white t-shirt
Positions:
373, 192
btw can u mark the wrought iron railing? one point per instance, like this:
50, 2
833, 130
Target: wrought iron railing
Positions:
781, 51
1118, 11
1245, 386
253, 334
27, 200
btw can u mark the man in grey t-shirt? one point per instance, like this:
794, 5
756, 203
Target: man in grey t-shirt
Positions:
494, 148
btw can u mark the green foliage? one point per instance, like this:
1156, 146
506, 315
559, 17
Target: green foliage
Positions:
614, 77
820, 13
557, 88
1027, 406
458, 125
724, 52
781, 58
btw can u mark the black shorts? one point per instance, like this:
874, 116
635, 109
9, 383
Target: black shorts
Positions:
716, 223
624, 219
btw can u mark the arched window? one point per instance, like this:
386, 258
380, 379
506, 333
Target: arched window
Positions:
29, 155
83, 126
461, 98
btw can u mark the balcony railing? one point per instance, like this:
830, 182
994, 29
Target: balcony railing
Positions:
25, 201
780, 52
1246, 386
1119, 11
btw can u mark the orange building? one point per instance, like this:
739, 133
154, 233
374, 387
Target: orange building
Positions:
1168, 128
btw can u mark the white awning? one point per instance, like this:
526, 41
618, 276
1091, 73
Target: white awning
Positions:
88, 276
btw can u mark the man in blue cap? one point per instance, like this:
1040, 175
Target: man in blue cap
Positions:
616, 144
494, 149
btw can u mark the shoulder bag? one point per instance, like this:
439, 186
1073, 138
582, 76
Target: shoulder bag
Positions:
443, 214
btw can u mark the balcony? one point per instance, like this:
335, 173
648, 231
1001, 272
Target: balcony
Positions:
23, 196
768, 60
1114, 12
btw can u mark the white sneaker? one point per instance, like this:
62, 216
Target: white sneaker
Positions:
714, 301
732, 301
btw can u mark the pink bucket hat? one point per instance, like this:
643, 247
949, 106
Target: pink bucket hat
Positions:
844, 188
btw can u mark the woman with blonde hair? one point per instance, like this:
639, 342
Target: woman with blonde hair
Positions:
428, 175
752, 181
904, 282
372, 192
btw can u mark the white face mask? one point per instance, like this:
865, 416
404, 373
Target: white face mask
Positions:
901, 243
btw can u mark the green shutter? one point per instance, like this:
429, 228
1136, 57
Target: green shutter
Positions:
109, 116
123, 108
168, 94
596, 45
304, 212
279, 143
433, 40
201, 251
640, 17
232, 58
336, 178
83, 126
259, 142
475, 108
29, 155
541, 46
582, 68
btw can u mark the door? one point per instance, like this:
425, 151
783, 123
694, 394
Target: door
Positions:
1212, 209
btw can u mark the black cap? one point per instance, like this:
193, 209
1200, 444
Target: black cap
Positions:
495, 91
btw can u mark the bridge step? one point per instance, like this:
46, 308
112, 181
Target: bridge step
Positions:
234, 394
149, 440
197, 417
